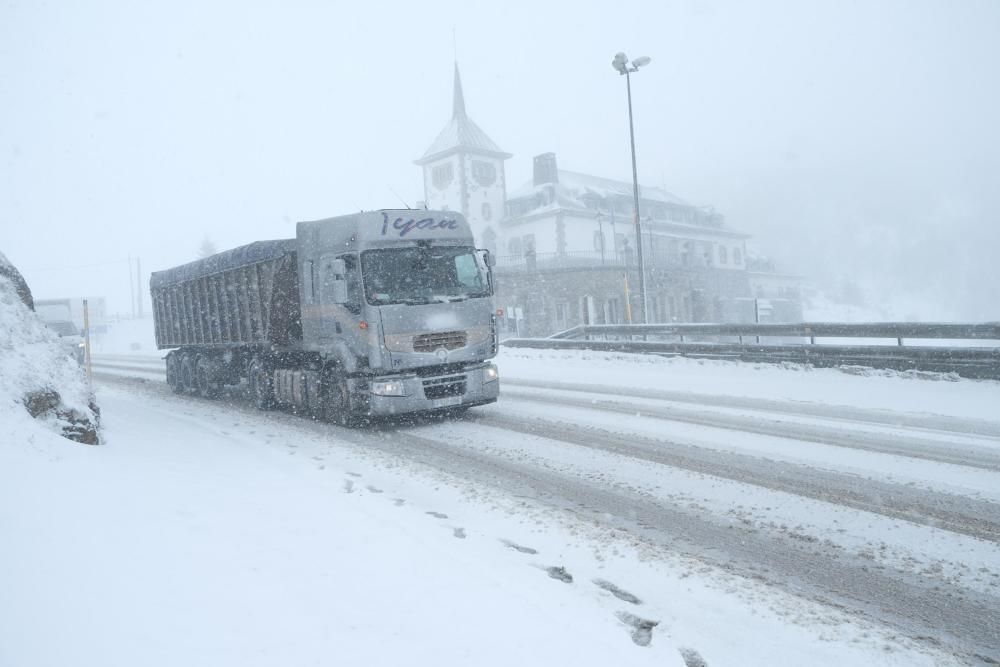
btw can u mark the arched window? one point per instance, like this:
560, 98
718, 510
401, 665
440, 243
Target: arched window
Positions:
723, 257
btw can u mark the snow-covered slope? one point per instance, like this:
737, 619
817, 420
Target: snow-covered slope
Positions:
37, 373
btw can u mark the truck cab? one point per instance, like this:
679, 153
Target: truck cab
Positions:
399, 306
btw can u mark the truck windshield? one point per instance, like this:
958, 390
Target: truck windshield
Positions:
422, 274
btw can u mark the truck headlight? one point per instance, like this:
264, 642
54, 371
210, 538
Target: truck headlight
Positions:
388, 388
491, 374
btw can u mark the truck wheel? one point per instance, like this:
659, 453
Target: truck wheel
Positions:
205, 373
336, 405
174, 373
261, 389
188, 382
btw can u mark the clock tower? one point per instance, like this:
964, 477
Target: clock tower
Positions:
464, 171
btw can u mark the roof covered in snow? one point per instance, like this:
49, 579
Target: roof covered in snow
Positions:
559, 190
461, 134
574, 186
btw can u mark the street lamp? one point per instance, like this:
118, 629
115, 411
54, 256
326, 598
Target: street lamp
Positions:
622, 66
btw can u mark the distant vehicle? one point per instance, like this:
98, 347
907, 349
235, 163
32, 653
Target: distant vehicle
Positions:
71, 309
380, 313
71, 338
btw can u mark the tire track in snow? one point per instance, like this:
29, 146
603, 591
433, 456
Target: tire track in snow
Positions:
963, 619
958, 425
959, 514
897, 445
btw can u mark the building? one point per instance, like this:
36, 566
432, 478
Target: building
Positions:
565, 243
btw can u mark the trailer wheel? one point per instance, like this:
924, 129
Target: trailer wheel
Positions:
261, 389
205, 373
188, 382
174, 373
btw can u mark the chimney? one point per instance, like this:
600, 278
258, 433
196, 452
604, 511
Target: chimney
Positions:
546, 170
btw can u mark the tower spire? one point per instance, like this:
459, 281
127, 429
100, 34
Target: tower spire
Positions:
458, 103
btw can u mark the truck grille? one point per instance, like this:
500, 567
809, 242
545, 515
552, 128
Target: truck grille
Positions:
449, 340
453, 385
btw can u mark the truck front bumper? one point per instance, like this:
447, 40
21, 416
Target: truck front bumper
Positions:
474, 385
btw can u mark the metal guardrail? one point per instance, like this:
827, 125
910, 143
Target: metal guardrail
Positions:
797, 343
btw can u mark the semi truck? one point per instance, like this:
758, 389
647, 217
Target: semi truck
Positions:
372, 314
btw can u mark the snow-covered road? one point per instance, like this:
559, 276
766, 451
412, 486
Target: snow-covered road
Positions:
757, 515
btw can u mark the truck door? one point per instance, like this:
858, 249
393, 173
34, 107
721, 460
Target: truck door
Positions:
339, 293
332, 291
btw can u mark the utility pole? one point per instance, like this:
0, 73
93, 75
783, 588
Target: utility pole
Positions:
86, 342
131, 287
138, 284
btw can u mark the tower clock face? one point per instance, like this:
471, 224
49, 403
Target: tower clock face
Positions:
485, 173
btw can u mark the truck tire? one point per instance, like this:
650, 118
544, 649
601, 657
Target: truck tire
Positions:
336, 403
261, 387
174, 373
206, 374
188, 383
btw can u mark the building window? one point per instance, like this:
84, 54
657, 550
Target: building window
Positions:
442, 175
599, 241
487, 211
514, 247
485, 173
490, 240
723, 258
737, 256
528, 241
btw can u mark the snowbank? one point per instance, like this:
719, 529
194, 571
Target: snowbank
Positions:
38, 375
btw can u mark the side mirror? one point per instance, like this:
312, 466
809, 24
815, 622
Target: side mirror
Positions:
487, 258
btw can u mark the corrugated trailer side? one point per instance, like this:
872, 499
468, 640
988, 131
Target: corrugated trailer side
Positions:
244, 296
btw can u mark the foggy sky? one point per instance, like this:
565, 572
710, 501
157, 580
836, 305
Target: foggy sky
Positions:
857, 141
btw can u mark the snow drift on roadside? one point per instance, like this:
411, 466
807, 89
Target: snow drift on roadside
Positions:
33, 359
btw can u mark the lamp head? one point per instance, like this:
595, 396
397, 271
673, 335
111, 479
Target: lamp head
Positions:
620, 63
642, 61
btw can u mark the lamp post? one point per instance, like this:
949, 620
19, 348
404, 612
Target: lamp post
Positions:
622, 66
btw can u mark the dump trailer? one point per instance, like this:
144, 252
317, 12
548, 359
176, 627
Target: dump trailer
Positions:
373, 314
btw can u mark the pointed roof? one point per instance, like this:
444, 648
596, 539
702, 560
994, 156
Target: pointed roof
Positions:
461, 134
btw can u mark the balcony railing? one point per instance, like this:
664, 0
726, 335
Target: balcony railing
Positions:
565, 260
593, 259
